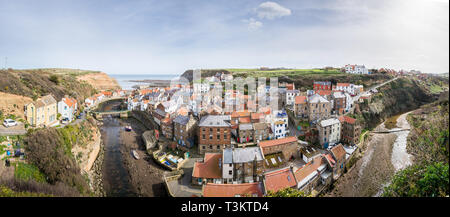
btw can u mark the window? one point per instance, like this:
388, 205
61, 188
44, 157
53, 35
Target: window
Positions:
218, 136
210, 146
218, 147
203, 136
230, 172
203, 147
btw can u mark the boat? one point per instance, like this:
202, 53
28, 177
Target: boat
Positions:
128, 128
135, 154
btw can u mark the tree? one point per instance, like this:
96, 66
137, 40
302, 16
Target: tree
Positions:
287, 192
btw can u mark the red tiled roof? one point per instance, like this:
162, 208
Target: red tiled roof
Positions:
268, 143
279, 180
209, 168
330, 159
290, 86
107, 93
300, 99
244, 113
231, 190
245, 120
324, 92
257, 115
347, 119
342, 84
69, 101
338, 152
307, 169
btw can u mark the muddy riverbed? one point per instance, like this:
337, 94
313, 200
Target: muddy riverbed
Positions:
123, 175
385, 154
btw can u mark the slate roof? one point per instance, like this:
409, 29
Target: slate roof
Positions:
317, 99
329, 122
244, 155
215, 121
183, 120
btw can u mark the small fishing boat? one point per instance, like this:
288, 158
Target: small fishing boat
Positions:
128, 128
135, 154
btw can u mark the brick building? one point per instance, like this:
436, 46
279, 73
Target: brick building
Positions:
350, 130
184, 130
214, 133
287, 146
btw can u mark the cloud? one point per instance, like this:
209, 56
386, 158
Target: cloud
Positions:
253, 24
272, 10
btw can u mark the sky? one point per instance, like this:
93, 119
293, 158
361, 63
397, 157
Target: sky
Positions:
171, 36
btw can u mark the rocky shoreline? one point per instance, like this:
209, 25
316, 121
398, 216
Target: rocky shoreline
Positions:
96, 174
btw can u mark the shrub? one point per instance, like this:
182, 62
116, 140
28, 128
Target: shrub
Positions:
47, 151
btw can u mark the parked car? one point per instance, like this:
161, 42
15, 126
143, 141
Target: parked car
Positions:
9, 123
65, 120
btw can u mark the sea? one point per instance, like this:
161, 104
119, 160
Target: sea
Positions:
125, 80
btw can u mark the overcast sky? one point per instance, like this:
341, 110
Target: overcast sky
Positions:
142, 36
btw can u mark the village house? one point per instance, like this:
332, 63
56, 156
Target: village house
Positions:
243, 165
351, 130
233, 190
279, 179
42, 112
339, 103
308, 153
301, 107
245, 133
167, 127
279, 124
329, 132
321, 85
261, 132
67, 107
313, 175
184, 130
209, 170
356, 69
290, 96
318, 107
214, 133
338, 152
286, 146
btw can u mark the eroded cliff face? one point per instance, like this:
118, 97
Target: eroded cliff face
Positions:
400, 96
100, 81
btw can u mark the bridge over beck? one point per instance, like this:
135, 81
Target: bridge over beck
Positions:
121, 114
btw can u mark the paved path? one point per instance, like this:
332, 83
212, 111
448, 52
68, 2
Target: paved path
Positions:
12, 131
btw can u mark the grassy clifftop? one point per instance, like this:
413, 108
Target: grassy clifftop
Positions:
40, 82
303, 78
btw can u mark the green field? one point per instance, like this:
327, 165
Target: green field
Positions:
282, 72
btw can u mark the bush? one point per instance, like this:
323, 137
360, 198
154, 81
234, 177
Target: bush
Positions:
54, 79
420, 181
47, 151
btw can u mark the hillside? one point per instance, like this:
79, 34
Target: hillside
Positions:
428, 141
303, 78
40, 82
100, 81
399, 96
